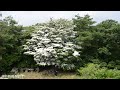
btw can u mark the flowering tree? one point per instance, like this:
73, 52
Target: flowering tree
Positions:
53, 43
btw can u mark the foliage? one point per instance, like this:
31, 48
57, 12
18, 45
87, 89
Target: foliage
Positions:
94, 71
101, 41
68, 44
12, 38
10, 41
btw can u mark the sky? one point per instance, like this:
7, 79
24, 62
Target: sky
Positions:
27, 18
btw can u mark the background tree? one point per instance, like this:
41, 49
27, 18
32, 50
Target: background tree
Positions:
12, 38
100, 43
84, 27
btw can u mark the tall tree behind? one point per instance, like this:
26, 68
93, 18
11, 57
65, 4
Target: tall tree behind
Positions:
100, 43
84, 27
10, 39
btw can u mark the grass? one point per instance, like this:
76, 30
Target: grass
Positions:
45, 75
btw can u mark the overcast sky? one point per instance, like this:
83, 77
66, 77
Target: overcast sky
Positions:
27, 18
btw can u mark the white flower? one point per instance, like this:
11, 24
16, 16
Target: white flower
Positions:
42, 63
57, 45
69, 44
29, 53
76, 53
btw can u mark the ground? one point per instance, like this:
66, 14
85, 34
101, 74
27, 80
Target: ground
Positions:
44, 75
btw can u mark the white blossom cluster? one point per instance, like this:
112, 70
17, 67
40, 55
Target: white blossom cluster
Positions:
50, 41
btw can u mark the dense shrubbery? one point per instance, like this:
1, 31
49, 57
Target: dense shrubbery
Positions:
94, 71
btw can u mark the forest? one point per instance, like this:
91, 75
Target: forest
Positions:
79, 48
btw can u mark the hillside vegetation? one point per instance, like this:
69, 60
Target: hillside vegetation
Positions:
79, 45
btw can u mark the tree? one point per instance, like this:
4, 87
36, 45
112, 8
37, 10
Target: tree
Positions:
110, 43
84, 27
100, 43
83, 23
10, 47
53, 44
